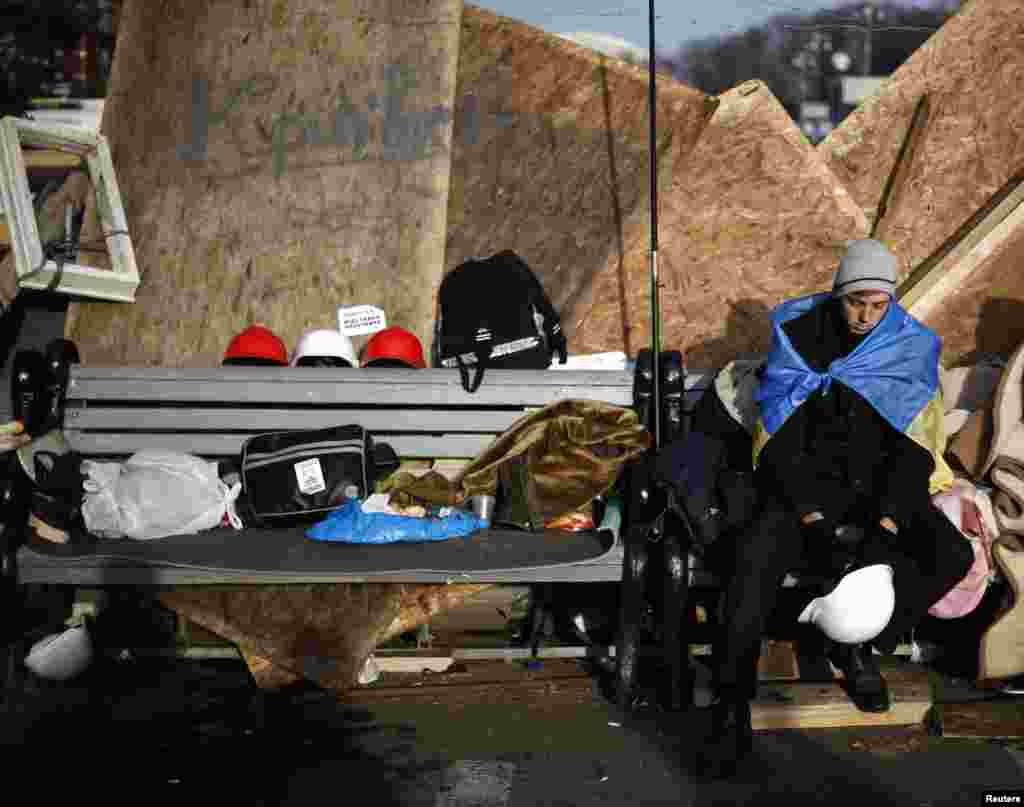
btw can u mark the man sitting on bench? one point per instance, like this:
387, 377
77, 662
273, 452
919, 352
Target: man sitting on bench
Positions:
849, 434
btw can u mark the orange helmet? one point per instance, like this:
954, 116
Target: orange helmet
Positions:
256, 345
394, 347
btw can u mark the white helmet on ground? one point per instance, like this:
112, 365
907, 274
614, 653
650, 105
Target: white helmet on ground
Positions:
858, 608
324, 344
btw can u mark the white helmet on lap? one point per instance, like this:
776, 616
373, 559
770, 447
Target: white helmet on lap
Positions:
61, 656
858, 608
324, 344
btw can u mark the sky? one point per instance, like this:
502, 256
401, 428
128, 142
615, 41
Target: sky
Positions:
678, 20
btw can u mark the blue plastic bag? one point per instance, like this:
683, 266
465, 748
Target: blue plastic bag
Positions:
350, 525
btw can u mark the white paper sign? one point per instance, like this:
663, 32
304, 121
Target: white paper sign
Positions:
310, 476
356, 320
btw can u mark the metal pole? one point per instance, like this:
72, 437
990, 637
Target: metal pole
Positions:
869, 13
655, 308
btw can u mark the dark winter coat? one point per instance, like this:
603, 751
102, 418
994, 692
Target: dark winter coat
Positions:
836, 448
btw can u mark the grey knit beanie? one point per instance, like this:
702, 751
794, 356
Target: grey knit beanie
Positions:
868, 265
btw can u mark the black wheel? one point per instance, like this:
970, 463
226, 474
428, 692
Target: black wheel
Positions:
634, 572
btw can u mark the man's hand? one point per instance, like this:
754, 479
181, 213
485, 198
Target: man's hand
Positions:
818, 526
888, 524
13, 436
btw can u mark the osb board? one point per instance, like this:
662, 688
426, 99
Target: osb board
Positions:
974, 140
320, 632
993, 720
799, 705
551, 156
251, 207
266, 674
985, 314
752, 217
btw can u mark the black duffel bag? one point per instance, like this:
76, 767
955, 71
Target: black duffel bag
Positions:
297, 477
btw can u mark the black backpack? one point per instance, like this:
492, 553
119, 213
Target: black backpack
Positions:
495, 313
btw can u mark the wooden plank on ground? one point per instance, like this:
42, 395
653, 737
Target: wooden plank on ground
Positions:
412, 663
799, 705
495, 682
982, 719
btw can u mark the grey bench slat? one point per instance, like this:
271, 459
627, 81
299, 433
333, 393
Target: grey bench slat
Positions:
217, 419
413, 446
430, 376
508, 388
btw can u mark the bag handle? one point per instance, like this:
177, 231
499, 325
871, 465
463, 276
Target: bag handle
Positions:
482, 353
478, 374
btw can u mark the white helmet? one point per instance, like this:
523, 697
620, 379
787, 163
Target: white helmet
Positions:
858, 608
61, 656
325, 343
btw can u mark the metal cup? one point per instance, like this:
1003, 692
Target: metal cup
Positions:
483, 506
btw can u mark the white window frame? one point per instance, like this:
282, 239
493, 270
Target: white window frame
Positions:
122, 279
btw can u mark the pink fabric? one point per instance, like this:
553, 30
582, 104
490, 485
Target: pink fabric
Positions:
959, 507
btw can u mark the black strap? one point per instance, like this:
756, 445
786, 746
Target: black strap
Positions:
478, 373
539, 299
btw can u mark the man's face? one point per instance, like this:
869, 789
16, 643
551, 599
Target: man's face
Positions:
864, 310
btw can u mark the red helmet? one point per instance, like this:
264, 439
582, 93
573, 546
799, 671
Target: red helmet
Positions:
394, 347
256, 344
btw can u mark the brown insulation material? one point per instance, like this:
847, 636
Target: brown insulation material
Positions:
972, 70
319, 632
985, 314
550, 157
313, 175
752, 217
418, 604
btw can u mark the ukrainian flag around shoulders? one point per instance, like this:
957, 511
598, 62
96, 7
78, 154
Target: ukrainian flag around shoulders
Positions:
895, 369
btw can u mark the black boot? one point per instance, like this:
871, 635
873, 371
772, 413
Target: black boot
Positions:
864, 682
29, 390
60, 355
731, 739
55, 523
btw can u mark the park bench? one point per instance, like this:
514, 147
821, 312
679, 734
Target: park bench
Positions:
425, 414
111, 412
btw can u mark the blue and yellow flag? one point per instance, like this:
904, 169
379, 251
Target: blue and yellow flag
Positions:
895, 369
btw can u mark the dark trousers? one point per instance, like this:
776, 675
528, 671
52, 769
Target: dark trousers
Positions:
929, 556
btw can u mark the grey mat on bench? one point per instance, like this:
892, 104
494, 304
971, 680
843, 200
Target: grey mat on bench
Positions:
286, 551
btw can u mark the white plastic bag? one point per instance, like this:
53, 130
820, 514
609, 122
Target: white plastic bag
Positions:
154, 494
